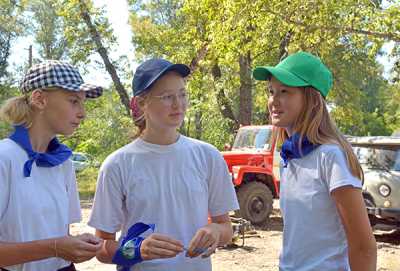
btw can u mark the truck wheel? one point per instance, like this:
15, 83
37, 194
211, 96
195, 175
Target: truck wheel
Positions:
255, 201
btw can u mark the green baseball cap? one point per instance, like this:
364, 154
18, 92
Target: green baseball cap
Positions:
299, 70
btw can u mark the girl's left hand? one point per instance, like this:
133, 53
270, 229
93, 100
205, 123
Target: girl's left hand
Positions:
205, 241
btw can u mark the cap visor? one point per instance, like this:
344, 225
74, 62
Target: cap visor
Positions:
283, 76
91, 91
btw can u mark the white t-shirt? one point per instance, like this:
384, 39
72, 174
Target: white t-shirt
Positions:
313, 234
173, 186
37, 207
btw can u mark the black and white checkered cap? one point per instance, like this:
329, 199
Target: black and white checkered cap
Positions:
54, 73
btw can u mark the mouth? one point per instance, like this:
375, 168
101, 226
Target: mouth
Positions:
276, 113
176, 115
75, 125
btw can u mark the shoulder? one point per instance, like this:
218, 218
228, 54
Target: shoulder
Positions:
9, 150
119, 156
330, 151
201, 146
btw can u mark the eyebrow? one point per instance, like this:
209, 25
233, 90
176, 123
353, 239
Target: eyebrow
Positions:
166, 91
75, 95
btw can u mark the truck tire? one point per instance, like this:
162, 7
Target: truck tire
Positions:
255, 201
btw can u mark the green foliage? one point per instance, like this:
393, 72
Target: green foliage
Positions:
12, 26
77, 35
6, 92
347, 34
48, 29
86, 180
105, 129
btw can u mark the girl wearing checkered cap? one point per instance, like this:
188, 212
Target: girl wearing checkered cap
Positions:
326, 225
38, 195
162, 182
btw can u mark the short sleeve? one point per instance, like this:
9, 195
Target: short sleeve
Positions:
4, 187
336, 172
74, 214
107, 212
222, 197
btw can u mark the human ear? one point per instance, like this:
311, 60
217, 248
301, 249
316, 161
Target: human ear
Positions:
141, 102
39, 99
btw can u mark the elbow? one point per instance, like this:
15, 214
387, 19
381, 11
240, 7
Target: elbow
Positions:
364, 256
370, 250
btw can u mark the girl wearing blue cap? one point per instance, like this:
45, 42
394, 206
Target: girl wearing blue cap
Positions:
38, 193
326, 225
162, 182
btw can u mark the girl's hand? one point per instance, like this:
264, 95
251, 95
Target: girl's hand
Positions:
158, 246
77, 249
205, 241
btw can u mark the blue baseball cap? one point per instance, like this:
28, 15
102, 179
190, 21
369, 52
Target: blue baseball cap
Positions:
151, 70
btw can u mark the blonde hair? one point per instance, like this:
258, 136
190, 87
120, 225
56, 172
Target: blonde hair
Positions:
315, 123
17, 111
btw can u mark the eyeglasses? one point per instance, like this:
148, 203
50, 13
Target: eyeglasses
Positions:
168, 99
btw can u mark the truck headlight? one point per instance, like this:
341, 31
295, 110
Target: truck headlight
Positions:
384, 190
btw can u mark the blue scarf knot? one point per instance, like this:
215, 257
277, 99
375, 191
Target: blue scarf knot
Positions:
290, 148
56, 154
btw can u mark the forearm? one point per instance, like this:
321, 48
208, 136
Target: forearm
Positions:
18, 253
107, 251
364, 258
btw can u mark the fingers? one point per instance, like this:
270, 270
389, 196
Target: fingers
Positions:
89, 242
204, 242
160, 246
78, 249
90, 238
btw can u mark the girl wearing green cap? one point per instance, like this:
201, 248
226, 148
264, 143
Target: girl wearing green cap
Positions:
326, 225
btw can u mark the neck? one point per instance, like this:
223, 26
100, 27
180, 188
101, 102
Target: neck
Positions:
160, 137
40, 137
289, 131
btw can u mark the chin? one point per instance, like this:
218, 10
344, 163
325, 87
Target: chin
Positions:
67, 133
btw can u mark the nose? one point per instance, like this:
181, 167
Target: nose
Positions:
81, 112
273, 99
178, 101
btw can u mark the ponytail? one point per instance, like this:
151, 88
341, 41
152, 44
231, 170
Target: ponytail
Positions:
17, 111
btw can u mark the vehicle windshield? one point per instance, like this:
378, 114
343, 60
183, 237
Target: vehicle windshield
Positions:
253, 138
378, 158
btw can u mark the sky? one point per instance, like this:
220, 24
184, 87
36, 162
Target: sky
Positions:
118, 16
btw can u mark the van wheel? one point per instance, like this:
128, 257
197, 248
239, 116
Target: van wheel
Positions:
255, 201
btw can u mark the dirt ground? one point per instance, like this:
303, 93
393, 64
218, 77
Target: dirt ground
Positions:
260, 250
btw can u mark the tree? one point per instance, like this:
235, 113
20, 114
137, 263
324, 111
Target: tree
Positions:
48, 30
11, 27
243, 34
87, 31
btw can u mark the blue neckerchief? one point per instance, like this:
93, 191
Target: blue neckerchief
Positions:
290, 148
56, 153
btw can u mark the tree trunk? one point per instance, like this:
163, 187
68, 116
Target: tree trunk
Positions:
201, 54
104, 55
224, 104
198, 125
245, 91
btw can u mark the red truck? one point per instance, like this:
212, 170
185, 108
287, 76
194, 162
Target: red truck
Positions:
254, 166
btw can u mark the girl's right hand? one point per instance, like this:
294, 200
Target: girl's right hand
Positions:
158, 246
78, 248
